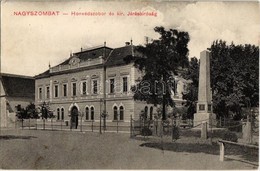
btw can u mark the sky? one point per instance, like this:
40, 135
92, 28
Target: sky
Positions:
30, 43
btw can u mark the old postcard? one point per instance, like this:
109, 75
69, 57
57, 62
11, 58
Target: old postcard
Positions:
129, 85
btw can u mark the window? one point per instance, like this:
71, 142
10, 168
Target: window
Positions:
151, 113
112, 85
74, 89
115, 113
56, 91
92, 112
121, 113
145, 112
58, 114
48, 92
65, 90
124, 84
87, 113
94, 85
201, 107
209, 107
84, 88
40, 93
185, 88
62, 114
175, 87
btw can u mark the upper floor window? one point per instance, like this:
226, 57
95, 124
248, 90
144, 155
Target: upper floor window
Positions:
40, 93
56, 91
47, 92
94, 86
74, 89
65, 90
84, 87
124, 84
112, 85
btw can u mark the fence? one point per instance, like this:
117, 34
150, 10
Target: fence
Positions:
92, 126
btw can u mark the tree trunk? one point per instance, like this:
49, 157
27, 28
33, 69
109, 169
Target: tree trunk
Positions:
164, 109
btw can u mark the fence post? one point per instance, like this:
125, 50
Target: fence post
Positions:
92, 125
131, 134
204, 130
117, 125
51, 125
247, 132
81, 123
222, 151
172, 129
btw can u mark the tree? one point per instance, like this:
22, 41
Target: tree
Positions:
46, 112
191, 96
234, 77
32, 112
159, 61
29, 112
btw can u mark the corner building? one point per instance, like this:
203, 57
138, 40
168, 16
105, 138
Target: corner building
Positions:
92, 81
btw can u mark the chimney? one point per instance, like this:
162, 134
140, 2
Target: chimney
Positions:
127, 43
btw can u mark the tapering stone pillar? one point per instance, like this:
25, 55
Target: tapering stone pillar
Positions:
204, 105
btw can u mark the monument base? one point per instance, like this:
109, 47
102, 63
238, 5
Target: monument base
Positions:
210, 118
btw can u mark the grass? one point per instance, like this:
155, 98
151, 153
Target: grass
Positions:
38, 149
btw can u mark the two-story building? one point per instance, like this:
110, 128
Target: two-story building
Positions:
92, 81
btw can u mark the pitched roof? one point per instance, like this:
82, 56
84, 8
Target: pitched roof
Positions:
113, 57
18, 85
92, 53
117, 55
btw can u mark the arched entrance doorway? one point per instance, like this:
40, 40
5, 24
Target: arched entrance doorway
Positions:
74, 118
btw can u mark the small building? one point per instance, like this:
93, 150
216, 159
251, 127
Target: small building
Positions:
14, 90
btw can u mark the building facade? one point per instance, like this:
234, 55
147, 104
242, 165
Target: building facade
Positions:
14, 90
92, 82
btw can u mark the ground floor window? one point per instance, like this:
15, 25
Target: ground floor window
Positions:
121, 113
58, 114
115, 113
151, 113
145, 112
62, 114
92, 112
87, 113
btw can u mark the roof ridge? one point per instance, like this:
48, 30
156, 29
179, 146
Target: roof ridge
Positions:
16, 75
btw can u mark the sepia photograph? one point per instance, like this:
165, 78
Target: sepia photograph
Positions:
129, 85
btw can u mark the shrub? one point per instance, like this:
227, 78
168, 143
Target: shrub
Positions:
175, 133
230, 136
146, 131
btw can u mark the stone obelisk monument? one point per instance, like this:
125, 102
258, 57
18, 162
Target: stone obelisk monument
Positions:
204, 105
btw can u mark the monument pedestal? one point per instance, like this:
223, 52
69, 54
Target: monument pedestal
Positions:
210, 118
